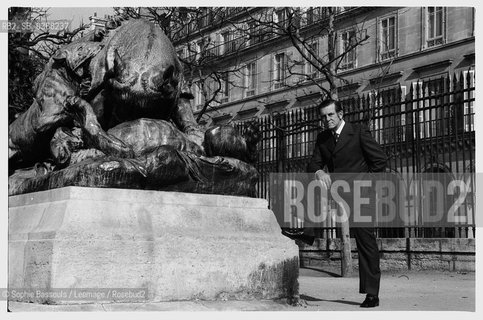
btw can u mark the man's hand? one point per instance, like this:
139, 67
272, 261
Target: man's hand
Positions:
324, 177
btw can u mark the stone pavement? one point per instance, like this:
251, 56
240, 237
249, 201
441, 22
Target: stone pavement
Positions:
400, 291
324, 291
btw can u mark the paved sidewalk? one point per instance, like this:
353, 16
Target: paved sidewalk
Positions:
400, 291
324, 291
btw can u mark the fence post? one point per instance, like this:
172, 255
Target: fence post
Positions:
279, 129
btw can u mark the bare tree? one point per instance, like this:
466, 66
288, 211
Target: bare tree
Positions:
28, 51
304, 27
191, 30
316, 61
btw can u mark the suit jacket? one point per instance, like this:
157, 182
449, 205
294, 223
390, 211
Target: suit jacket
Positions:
356, 151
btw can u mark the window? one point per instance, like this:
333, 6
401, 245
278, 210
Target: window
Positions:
310, 15
200, 47
226, 38
435, 26
268, 143
225, 87
387, 43
431, 108
192, 26
253, 33
439, 111
213, 47
193, 51
281, 17
184, 30
232, 42
296, 140
205, 20
417, 105
211, 87
469, 98
347, 40
314, 14
180, 53
250, 79
391, 105
198, 96
310, 70
389, 118
402, 130
279, 68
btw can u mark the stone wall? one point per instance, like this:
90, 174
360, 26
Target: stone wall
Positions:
398, 254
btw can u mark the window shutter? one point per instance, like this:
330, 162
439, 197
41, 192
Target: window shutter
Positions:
284, 68
274, 16
216, 43
444, 24
403, 93
377, 57
304, 19
305, 66
417, 85
245, 79
471, 79
341, 44
291, 67
417, 104
468, 108
272, 68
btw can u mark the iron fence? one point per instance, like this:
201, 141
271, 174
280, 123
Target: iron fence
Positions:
428, 127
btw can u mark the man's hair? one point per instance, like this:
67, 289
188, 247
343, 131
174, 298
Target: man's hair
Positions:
328, 102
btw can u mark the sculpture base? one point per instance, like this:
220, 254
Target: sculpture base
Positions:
178, 246
164, 169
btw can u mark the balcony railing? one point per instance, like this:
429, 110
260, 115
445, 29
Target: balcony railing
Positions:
259, 34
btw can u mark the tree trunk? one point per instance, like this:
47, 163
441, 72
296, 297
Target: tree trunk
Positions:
332, 38
345, 252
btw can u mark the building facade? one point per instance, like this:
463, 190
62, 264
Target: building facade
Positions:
405, 46
411, 68
409, 72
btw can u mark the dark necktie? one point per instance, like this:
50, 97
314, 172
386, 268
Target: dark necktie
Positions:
336, 137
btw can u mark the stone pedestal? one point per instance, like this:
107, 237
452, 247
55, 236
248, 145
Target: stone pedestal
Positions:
179, 246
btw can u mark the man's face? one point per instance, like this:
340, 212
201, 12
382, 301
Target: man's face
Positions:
330, 117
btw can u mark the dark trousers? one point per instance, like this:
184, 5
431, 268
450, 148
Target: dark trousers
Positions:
369, 271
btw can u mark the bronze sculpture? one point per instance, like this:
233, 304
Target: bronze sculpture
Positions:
109, 112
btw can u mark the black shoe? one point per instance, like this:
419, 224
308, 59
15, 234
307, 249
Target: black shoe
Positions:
370, 302
299, 235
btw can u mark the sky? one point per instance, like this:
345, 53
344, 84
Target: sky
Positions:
77, 14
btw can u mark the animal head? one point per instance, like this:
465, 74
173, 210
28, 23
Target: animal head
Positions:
139, 65
225, 140
74, 55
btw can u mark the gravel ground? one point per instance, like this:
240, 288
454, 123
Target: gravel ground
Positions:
323, 290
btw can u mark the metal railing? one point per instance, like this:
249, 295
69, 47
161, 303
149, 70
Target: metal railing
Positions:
428, 128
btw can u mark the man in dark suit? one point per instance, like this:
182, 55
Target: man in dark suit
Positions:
350, 148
